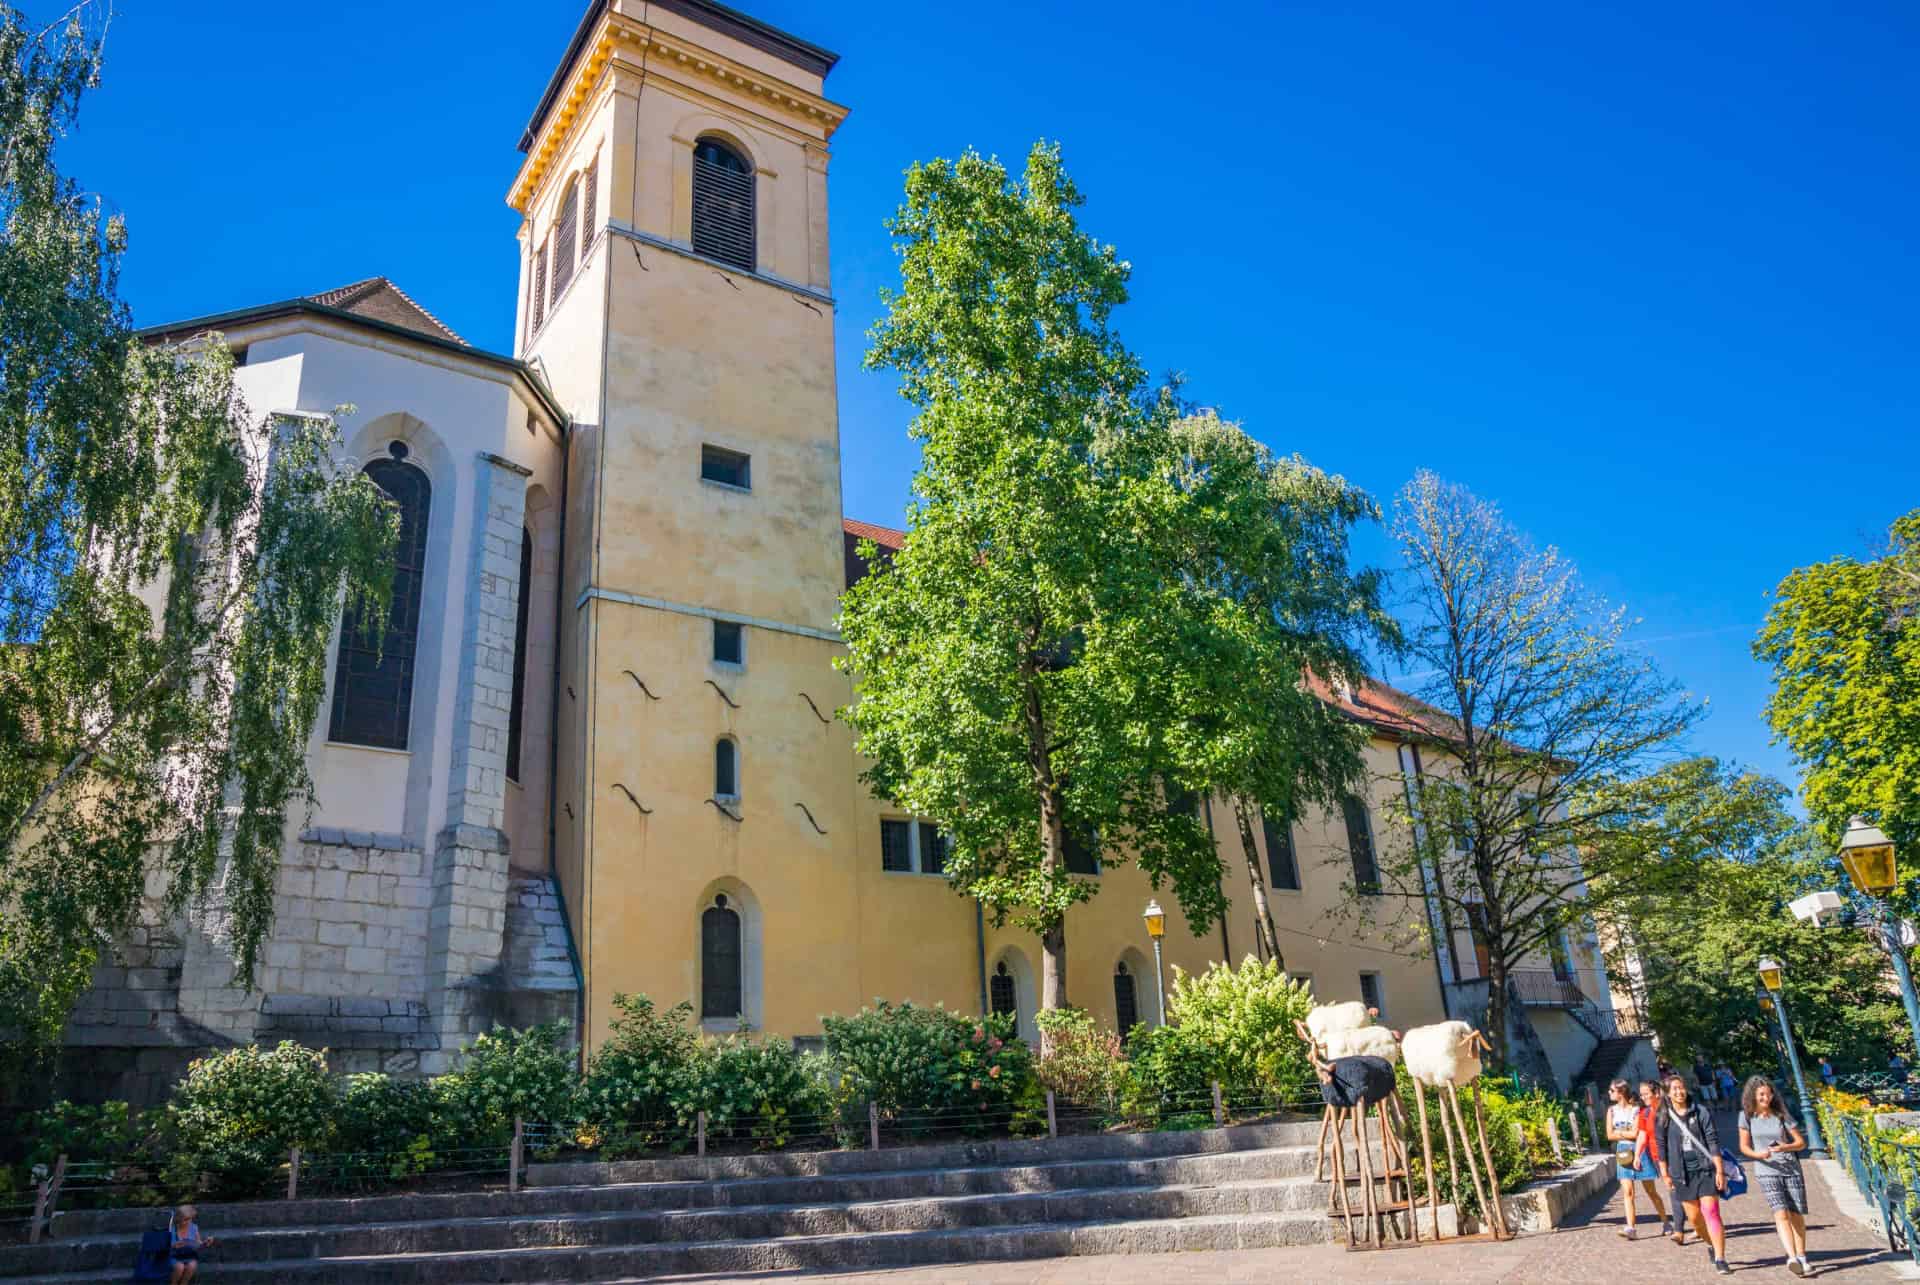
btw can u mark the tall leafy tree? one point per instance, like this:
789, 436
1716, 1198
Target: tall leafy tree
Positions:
1843, 638
1554, 731
171, 568
1038, 667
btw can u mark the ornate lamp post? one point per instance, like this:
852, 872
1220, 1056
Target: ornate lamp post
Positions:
1157, 928
1868, 856
1770, 977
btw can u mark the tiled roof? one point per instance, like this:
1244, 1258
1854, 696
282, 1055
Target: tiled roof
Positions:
1386, 708
380, 300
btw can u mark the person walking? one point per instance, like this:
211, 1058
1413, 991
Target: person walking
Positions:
1703, 1079
1826, 1072
1690, 1162
1629, 1129
1772, 1138
1728, 1085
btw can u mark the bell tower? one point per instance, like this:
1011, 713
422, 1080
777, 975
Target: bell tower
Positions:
675, 294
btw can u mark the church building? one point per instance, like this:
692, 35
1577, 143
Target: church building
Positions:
598, 753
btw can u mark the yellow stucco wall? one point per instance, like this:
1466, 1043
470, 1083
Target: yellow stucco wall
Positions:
656, 352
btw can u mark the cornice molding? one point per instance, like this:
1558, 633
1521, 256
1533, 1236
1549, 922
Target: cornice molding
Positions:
656, 52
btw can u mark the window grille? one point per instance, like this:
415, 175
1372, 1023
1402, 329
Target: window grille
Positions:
896, 852
540, 286
726, 769
1283, 870
729, 468
720, 960
515, 714
1366, 870
729, 642
723, 226
373, 677
933, 849
1000, 992
590, 208
565, 234
1126, 1001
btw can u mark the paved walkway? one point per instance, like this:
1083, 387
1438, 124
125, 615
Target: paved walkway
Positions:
1586, 1248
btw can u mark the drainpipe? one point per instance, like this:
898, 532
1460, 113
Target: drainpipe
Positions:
1410, 773
980, 950
553, 761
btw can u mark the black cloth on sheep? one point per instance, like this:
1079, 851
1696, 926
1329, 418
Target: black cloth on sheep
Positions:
1358, 1082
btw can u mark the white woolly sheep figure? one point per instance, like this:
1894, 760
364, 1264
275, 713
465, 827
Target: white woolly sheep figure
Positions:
1328, 1018
1367, 1041
1444, 1053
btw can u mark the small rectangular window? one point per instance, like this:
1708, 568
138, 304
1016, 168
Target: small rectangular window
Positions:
896, 846
1082, 851
1283, 869
729, 643
933, 849
1370, 993
728, 468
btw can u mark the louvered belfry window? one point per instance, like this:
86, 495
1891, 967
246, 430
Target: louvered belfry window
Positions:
723, 204
565, 235
373, 677
590, 208
540, 286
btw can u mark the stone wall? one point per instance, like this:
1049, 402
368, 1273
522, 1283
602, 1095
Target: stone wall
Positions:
351, 918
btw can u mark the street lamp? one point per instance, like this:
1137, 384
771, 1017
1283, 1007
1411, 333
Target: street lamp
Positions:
1157, 928
1867, 854
1771, 978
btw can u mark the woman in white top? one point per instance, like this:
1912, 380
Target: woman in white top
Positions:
1628, 1130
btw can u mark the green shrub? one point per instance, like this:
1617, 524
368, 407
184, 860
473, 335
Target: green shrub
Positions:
640, 1082
112, 1132
1169, 1078
233, 1118
1244, 1017
507, 1074
1083, 1064
384, 1125
928, 1067
759, 1090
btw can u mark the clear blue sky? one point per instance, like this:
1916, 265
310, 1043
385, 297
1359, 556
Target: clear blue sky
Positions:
1644, 274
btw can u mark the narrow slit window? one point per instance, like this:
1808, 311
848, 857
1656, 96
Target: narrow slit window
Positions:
720, 960
1000, 993
729, 642
1283, 870
1126, 1001
728, 468
516, 714
1370, 993
726, 769
1366, 870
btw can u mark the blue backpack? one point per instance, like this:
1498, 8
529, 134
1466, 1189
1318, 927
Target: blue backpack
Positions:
155, 1262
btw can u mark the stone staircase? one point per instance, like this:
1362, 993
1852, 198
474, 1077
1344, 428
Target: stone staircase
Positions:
1242, 1187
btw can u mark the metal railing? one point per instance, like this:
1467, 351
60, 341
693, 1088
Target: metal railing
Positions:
1543, 988
1887, 1174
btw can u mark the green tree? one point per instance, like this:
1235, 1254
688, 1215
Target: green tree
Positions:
1844, 644
1086, 576
1690, 933
1554, 729
171, 569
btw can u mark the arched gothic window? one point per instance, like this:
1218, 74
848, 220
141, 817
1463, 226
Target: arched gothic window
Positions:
1000, 992
373, 677
566, 237
726, 769
719, 960
516, 713
1126, 1001
723, 225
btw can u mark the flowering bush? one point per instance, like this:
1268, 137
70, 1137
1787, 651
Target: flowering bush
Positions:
935, 1066
1243, 1017
507, 1074
236, 1114
759, 1090
640, 1083
1083, 1064
388, 1125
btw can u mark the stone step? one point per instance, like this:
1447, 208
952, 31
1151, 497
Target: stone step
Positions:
755, 1207
843, 1251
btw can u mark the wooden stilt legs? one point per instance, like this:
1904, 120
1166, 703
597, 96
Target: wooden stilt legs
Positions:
1499, 1214
1452, 1101
1320, 1160
1426, 1152
1368, 1203
1340, 1175
1395, 1151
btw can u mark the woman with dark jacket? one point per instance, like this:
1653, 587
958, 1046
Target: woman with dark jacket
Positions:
1690, 1162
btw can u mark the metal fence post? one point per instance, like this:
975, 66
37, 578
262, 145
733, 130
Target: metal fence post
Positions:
1219, 1108
1053, 1124
516, 1158
293, 1173
46, 1199
700, 1134
873, 1124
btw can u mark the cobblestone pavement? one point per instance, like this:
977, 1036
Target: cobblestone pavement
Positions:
1586, 1248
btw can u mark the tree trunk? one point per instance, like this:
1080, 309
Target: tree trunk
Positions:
1265, 936
1497, 1005
1053, 858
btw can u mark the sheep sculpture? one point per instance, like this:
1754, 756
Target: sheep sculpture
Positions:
1354, 1057
1443, 1057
